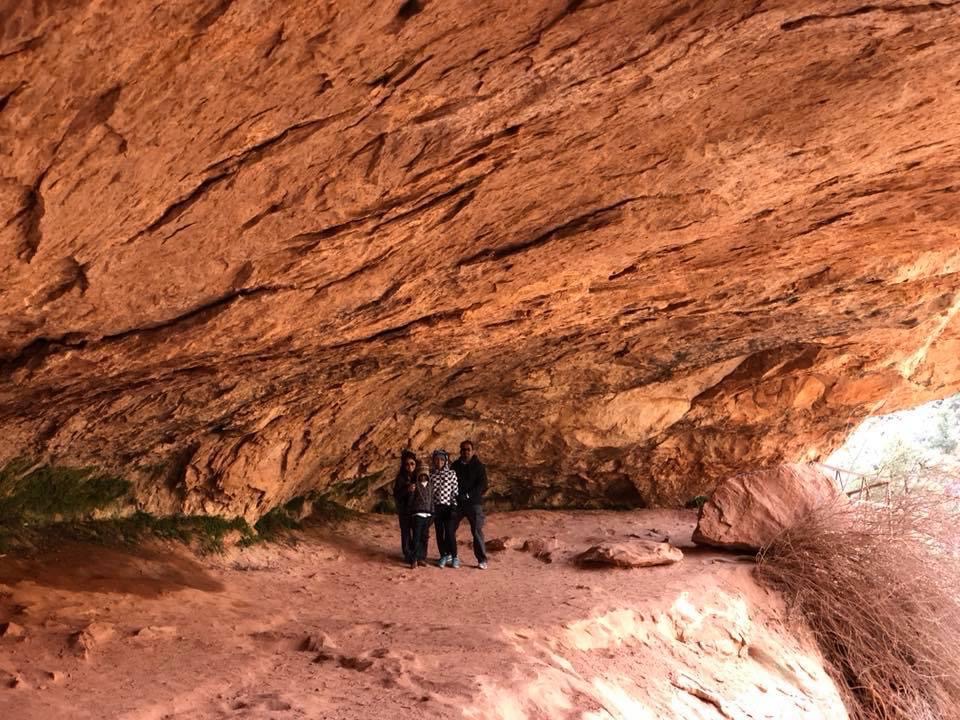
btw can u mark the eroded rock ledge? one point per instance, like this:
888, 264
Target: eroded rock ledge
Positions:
627, 246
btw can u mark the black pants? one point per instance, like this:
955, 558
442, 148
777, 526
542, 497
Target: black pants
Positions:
406, 536
474, 515
421, 536
445, 523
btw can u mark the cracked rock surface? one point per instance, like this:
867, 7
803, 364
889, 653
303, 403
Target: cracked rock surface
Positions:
629, 247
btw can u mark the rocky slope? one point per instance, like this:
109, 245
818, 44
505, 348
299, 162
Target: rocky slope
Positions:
628, 246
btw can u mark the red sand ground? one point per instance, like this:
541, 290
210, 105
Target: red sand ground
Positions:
165, 634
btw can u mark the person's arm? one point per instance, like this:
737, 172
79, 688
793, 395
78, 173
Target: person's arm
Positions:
460, 489
463, 489
482, 485
401, 489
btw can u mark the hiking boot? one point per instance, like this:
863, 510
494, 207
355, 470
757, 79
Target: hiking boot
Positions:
443, 561
482, 565
455, 563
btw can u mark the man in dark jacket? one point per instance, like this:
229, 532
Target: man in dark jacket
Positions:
472, 484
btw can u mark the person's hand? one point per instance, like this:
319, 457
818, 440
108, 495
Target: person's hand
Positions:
411, 487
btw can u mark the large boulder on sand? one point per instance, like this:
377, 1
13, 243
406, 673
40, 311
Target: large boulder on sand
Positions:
749, 510
644, 553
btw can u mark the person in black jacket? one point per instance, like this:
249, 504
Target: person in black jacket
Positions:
472, 484
421, 512
402, 486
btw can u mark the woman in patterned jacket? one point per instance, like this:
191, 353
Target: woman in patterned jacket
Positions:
445, 508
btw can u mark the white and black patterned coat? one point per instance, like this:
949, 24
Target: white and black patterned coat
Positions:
445, 488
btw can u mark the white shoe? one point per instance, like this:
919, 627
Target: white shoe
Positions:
483, 565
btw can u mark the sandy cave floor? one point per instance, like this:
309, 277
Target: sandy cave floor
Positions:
166, 634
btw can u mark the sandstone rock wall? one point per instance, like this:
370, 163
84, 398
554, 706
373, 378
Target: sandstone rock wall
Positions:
249, 249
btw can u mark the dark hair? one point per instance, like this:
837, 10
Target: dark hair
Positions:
404, 456
422, 473
469, 442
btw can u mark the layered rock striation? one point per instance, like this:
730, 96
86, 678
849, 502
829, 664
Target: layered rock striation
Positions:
629, 247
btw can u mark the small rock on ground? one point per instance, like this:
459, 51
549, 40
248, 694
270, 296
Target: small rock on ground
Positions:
501, 543
542, 549
634, 555
87, 640
11, 630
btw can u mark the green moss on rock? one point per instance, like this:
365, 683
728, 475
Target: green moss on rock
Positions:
44, 504
29, 492
206, 533
275, 523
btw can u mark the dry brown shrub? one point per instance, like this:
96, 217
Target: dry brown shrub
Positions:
878, 585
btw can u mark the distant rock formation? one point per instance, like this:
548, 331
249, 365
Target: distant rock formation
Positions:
248, 250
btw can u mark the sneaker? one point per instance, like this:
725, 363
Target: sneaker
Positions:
443, 561
455, 563
483, 565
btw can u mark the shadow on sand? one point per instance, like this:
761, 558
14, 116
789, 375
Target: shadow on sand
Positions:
142, 571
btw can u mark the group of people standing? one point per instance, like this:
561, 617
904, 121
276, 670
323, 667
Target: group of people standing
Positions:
443, 497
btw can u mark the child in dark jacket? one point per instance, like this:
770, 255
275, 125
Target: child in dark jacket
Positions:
421, 511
